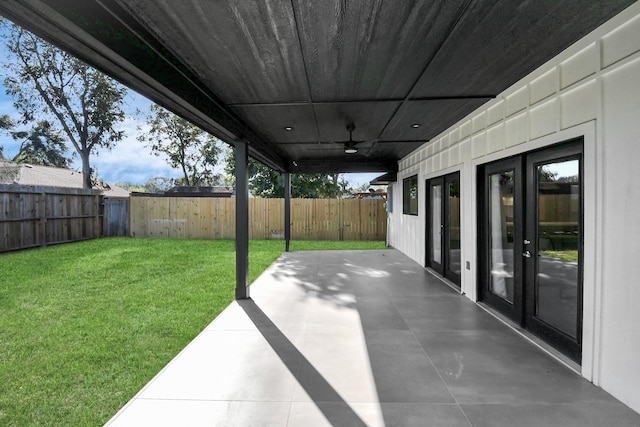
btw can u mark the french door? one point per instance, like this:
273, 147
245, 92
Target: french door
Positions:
530, 242
443, 226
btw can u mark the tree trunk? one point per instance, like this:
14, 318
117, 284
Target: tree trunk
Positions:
86, 171
334, 177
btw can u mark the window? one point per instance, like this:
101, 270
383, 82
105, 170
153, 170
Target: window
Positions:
410, 195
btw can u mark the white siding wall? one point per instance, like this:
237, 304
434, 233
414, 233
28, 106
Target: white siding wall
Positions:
591, 90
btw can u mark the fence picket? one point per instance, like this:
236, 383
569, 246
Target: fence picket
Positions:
37, 216
214, 218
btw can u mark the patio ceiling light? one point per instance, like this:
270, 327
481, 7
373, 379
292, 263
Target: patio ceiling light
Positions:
350, 147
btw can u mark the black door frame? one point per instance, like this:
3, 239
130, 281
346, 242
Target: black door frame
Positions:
572, 150
512, 310
522, 311
442, 268
438, 267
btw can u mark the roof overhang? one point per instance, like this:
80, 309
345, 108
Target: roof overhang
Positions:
288, 77
386, 179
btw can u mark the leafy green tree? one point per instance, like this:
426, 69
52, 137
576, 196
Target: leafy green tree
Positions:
269, 183
186, 146
153, 185
158, 183
546, 175
46, 82
42, 145
5, 123
125, 185
367, 187
340, 186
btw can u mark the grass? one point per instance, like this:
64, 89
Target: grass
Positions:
568, 255
84, 326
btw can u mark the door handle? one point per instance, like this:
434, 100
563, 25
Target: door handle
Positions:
526, 254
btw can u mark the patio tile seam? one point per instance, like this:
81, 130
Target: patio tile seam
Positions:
348, 401
451, 395
184, 399
533, 403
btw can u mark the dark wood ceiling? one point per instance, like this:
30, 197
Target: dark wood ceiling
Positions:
248, 70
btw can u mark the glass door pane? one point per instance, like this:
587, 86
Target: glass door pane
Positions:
501, 239
443, 226
454, 263
436, 223
558, 236
530, 242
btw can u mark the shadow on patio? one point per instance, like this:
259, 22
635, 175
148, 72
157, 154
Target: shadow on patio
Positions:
353, 338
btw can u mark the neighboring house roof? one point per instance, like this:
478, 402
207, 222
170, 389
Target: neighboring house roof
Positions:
48, 176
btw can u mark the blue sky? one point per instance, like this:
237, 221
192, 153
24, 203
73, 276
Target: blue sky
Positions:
129, 160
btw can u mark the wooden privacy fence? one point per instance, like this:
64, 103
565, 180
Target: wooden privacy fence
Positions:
214, 218
33, 216
115, 216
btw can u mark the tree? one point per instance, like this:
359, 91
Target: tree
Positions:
41, 145
153, 185
46, 82
125, 185
186, 146
546, 175
158, 183
363, 188
269, 183
5, 123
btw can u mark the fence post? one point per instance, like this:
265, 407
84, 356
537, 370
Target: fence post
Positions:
42, 227
97, 211
340, 220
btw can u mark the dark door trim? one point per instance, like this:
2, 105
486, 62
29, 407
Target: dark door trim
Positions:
572, 346
430, 262
444, 267
525, 219
513, 310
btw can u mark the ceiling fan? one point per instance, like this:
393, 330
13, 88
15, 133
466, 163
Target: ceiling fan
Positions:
350, 146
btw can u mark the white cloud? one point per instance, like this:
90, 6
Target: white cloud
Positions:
130, 160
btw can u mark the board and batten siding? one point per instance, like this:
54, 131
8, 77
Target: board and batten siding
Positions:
590, 90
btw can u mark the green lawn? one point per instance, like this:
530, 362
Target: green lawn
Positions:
84, 326
568, 255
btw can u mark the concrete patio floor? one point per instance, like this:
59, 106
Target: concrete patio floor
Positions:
355, 338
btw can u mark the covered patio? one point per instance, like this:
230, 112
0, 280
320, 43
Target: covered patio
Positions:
355, 338
416, 90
